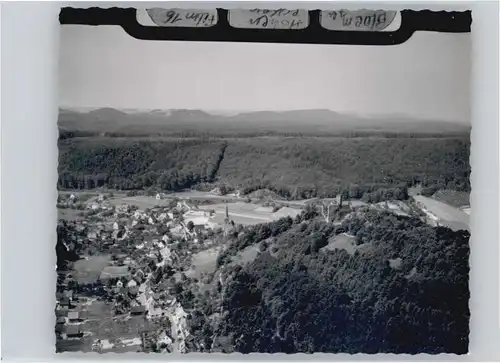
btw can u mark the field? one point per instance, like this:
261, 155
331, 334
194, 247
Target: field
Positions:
83, 345
342, 242
114, 272
88, 270
203, 262
196, 217
141, 201
285, 212
69, 214
396, 207
446, 214
248, 213
452, 197
195, 194
247, 255
124, 327
118, 333
144, 201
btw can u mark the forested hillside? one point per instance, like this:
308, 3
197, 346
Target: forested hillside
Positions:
169, 164
298, 296
293, 167
309, 167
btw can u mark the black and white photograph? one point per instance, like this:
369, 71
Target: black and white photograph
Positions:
230, 197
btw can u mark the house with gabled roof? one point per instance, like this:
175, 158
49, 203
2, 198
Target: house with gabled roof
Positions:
73, 316
138, 310
73, 331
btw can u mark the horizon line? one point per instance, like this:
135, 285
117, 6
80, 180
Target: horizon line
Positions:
234, 112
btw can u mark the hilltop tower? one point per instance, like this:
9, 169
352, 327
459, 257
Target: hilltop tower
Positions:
227, 222
339, 200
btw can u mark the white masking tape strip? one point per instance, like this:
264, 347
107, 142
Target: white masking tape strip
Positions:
189, 18
269, 18
358, 20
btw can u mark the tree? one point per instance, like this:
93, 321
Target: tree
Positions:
319, 241
154, 347
223, 189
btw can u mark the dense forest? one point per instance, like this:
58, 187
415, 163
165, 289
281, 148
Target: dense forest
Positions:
130, 164
298, 296
293, 167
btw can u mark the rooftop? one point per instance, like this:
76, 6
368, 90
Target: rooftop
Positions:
73, 314
114, 271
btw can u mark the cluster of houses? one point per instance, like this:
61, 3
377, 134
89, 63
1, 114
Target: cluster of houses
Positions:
142, 244
70, 317
115, 228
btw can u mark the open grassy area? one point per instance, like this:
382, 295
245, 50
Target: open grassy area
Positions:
247, 255
119, 333
88, 270
452, 197
248, 213
448, 215
342, 242
125, 327
141, 201
203, 262
69, 214
83, 345
99, 310
104, 325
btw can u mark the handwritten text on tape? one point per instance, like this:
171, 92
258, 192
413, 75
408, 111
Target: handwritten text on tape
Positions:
359, 20
269, 19
183, 17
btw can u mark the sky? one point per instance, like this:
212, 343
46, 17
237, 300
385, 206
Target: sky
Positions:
426, 77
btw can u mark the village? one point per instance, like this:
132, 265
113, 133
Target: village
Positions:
136, 266
142, 257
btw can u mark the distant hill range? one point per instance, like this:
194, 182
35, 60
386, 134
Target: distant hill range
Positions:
313, 122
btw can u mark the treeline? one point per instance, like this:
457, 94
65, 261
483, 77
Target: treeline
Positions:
225, 132
69, 134
381, 195
293, 168
298, 297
